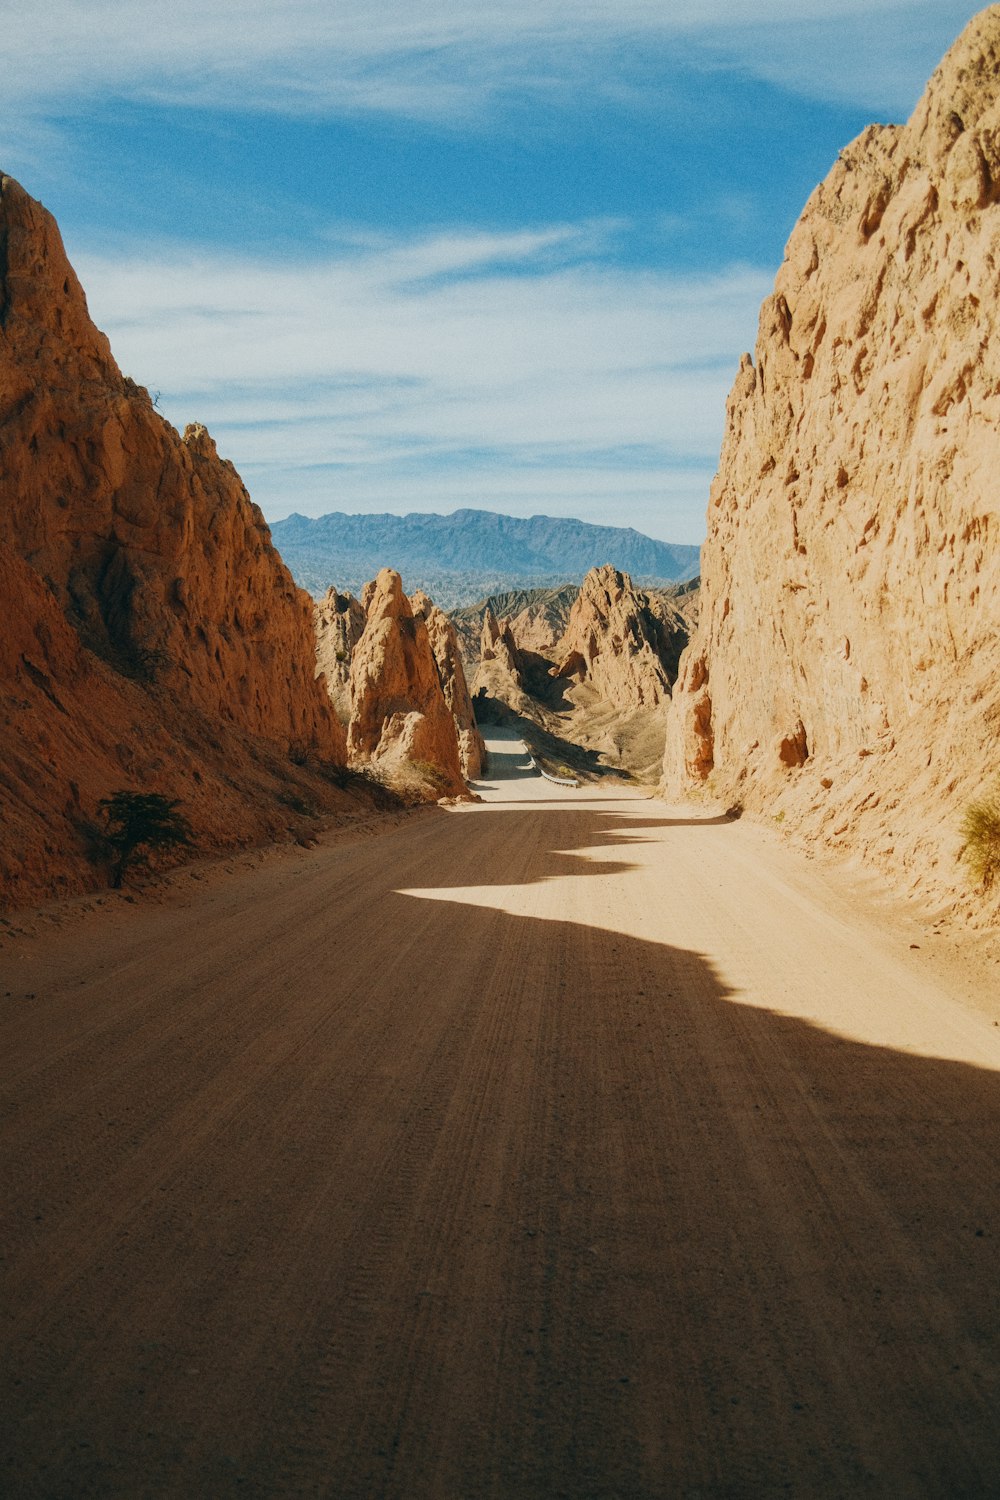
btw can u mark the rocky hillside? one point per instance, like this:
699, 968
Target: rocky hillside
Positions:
538, 618
462, 557
846, 672
154, 639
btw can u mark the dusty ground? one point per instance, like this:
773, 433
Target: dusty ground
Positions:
564, 1146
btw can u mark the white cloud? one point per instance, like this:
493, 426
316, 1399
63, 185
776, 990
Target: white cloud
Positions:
447, 57
464, 360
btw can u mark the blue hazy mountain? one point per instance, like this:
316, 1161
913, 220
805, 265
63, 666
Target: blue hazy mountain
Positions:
460, 557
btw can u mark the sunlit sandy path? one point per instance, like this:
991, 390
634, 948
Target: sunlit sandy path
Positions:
565, 1145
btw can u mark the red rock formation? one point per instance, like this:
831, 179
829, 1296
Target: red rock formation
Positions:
144, 571
399, 716
149, 541
73, 730
447, 655
851, 578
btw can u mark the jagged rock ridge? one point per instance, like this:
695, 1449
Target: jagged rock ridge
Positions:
615, 639
847, 666
339, 621
139, 565
400, 720
601, 682
448, 659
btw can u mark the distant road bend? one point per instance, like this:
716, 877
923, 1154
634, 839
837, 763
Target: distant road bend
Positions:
569, 1145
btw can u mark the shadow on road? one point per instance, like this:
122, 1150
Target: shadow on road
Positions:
453, 1202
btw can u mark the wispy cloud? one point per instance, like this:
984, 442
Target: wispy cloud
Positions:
470, 363
447, 57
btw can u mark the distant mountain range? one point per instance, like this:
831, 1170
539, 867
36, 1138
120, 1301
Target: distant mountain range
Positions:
462, 557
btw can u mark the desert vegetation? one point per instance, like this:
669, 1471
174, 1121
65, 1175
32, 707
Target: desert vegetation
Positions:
981, 839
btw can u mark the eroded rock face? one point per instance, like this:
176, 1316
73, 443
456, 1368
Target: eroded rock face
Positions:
448, 657
615, 640
499, 673
851, 578
73, 731
149, 541
339, 621
153, 639
399, 714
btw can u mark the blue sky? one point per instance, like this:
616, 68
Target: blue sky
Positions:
445, 253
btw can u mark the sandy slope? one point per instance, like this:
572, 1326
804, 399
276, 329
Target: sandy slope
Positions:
559, 1146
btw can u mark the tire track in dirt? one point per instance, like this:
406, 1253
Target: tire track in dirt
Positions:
523, 1151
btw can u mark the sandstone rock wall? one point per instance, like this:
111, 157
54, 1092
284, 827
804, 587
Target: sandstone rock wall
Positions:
399, 716
153, 639
499, 676
847, 665
73, 730
149, 541
339, 621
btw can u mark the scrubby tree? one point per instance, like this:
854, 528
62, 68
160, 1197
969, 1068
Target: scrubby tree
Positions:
140, 820
981, 834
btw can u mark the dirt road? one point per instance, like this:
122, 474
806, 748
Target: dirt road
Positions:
568, 1145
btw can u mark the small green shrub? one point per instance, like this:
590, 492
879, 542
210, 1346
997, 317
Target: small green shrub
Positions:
140, 820
981, 839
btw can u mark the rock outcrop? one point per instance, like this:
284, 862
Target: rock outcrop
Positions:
497, 644
617, 641
448, 658
400, 719
339, 621
142, 569
499, 675
847, 665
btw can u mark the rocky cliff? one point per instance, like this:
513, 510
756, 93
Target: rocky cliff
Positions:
139, 566
400, 721
618, 641
149, 541
846, 671
500, 674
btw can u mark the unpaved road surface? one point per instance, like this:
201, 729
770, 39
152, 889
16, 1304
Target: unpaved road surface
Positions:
564, 1146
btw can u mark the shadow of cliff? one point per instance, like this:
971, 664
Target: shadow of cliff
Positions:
510, 1208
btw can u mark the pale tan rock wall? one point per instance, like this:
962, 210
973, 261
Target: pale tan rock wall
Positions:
851, 577
339, 621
